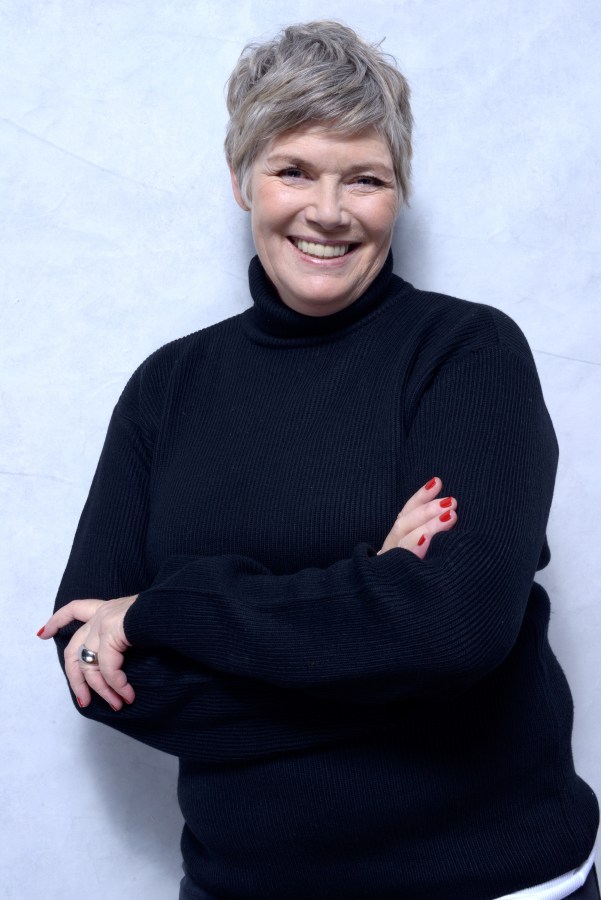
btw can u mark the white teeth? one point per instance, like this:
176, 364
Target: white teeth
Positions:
324, 251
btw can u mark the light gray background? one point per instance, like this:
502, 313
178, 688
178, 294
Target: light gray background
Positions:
118, 233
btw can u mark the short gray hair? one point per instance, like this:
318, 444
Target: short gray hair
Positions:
321, 72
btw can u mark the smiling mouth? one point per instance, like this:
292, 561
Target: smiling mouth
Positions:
322, 251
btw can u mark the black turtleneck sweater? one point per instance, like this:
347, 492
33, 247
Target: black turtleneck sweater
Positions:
349, 725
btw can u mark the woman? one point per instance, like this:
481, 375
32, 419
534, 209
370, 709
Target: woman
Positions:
350, 723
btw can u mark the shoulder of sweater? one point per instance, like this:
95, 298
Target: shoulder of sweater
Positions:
144, 394
447, 327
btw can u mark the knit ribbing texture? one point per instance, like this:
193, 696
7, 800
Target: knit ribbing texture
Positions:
349, 725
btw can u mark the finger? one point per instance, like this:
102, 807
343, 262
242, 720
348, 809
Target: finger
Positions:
96, 682
416, 511
76, 611
75, 677
428, 491
425, 513
84, 678
111, 668
419, 540
406, 523
443, 522
421, 545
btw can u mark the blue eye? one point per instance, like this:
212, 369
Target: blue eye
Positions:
369, 180
291, 172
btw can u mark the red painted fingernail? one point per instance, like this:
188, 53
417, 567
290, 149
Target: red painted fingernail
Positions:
446, 502
422, 540
41, 631
79, 703
445, 517
431, 484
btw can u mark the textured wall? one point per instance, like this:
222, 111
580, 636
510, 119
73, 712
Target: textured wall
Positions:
119, 233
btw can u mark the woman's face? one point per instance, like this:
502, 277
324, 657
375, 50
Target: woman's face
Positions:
323, 207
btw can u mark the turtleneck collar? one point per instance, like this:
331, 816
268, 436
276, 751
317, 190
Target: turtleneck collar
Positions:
269, 317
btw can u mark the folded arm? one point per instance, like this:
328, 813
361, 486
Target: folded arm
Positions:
422, 517
219, 642
373, 628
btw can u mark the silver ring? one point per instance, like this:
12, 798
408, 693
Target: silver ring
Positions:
89, 657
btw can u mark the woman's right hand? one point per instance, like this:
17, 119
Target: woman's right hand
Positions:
420, 519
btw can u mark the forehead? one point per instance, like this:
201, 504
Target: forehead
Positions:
317, 141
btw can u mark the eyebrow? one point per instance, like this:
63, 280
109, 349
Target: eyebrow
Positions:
283, 160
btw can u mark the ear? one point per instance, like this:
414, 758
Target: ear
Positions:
237, 192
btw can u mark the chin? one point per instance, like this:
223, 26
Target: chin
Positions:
316, 304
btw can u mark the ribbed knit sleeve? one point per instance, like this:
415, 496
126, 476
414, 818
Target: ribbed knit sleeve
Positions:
108, 560
374, 628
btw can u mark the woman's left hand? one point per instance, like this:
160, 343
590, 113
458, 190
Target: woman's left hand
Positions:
420, 519
102, 632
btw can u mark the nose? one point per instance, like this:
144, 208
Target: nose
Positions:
326, 207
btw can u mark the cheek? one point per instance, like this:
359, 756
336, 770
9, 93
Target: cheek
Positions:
382, 222
376, 215
275, 205
265, 222
261, 227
